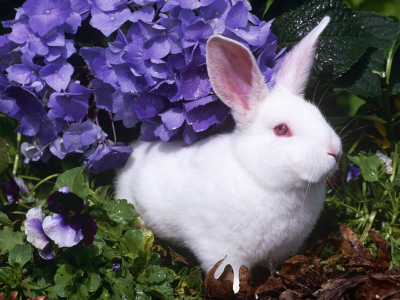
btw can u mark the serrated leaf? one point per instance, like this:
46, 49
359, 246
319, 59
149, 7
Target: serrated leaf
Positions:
101, 194
194, 280
5, 220
121, 285
75, 180
370, 166
341, 44
361, 80
6, 272
64, 279
121, 211
154, 274
92, 282
20, 255
9, 238
136, 245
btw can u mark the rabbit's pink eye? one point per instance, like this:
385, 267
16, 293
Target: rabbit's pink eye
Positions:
282, 130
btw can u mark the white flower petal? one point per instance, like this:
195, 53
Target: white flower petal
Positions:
35, 234
35, 212
62, 235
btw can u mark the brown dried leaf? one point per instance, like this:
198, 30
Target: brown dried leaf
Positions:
271, 288
352, 246
383, 259
246, 287
221, 287
298, 259
334, 289
381, 286
290, 295
178, 256
13, 296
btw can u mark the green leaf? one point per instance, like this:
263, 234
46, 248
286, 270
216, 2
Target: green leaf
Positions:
395, 251
9, 238
20, 255
5, 220
3, 155
370, 166
92, 282
6, 273
155, 274
194, 280
121, 211
75, 180
101, 194
64, 279
137, 241
136, 245
394, 80
131, 243
7, 126
122, 286
341, 44
361, 79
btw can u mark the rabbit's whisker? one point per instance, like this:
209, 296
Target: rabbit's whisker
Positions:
358, 117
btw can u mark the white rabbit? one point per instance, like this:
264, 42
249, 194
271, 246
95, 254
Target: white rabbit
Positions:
254, 194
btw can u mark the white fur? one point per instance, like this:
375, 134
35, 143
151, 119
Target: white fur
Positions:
249, 195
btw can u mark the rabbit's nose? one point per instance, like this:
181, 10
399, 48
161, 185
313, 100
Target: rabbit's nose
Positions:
336, 155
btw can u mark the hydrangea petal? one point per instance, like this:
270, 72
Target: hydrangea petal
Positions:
106, 157
148, 106
45, 15
173, 118
57, 74
108, 22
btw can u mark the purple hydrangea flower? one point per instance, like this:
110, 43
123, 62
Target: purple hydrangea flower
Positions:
24, 73
80, 135
70, 106
153, 73
68, 226
35, 233
106, 157
44, 15
57, 74
108, 21
34, 120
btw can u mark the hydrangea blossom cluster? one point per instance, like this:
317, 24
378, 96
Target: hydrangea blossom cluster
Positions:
67, 227
153, 73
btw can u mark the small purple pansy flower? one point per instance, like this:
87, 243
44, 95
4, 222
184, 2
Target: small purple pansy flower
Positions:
68, 226
354, 172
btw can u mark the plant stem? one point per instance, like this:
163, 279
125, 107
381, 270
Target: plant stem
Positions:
22, 205
43, 181
29, 177
394, 163
2, 198
16, 212
16, 158
28, 289
368, 226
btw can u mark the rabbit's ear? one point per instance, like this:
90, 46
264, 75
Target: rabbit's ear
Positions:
235, 76
296, 68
